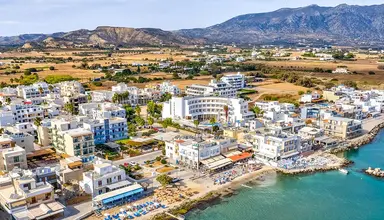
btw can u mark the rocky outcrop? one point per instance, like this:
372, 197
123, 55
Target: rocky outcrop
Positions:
375, 172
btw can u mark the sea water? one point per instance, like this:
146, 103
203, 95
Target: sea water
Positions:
322, 196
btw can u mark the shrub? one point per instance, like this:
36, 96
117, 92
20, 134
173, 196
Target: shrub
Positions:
51, 68
371, 73
97, 83
163, 161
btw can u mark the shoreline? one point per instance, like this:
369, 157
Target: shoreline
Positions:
211, 196
216, 194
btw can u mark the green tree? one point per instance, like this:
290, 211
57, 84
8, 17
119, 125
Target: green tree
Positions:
139, 121
8, 100
70, 108
50, 88
166, 123
257, 111
151, 121
300, 92
37, 123
51, 68
137, 110
196, 123
164, 179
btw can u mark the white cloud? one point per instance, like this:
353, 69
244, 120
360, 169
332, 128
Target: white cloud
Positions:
9, 22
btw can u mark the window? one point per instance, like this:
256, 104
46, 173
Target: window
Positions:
119, 177
109, 181
47, 196
16, 159
100, 191
100, 183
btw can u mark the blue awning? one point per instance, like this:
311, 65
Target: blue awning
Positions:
123, 195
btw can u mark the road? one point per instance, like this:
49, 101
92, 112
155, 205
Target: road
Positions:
139, 159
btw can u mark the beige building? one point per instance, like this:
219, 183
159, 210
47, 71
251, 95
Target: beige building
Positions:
11, 155
71, 169
331, 96
344, 128
67, 138
23, 198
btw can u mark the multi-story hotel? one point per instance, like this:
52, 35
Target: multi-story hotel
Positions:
104, 178
205, 108
344, 128
107, 129
40, 89
20, 113
215, 88
237, 81
68, 138
276, 146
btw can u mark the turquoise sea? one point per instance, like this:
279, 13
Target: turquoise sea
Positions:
322, 196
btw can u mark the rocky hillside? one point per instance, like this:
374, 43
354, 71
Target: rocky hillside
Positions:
104, 36
344, 24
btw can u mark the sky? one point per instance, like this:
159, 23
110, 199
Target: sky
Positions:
49, 16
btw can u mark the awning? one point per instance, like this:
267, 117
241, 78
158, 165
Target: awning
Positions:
39, 153
119, 185
232, 153
241, 156
212, 159
219, 164
75, 164
119, 194
290, 155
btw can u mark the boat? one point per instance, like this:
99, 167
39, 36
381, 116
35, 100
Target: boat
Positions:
343, 171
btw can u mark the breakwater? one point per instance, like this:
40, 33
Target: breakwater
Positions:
377, 172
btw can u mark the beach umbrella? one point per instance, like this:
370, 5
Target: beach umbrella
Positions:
122, 210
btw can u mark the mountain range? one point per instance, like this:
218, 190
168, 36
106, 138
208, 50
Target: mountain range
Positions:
343, 24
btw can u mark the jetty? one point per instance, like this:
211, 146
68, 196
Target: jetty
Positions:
375, 172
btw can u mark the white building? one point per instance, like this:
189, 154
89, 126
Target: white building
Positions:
20, 113
101, 110
39, 89
168, 87
308, 98
69, 88
214, 88
237, 81
191, 151
104, 178
276, 146
205, 108
341, 70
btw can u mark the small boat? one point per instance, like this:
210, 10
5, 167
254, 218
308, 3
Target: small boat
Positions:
343, 171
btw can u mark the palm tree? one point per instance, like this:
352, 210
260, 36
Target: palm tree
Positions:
8, 100
151, 121
115, 98
226, 111
37, 122
50, 88
212, 121
196, 123
41, 90
137, 110
167, 122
